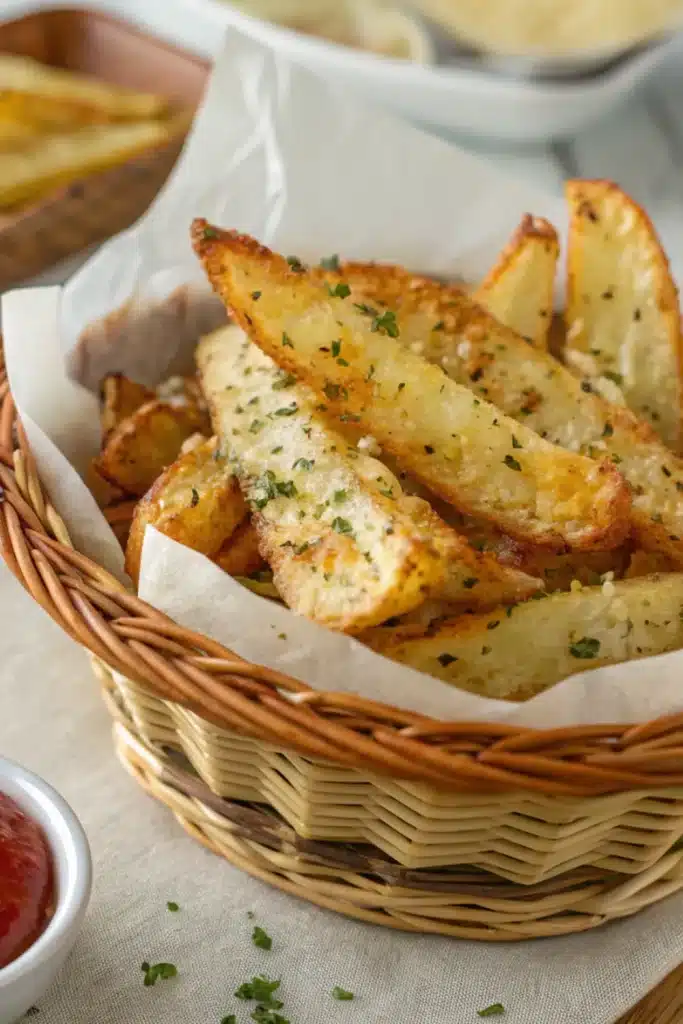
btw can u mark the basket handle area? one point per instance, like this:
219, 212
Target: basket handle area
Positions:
178, 665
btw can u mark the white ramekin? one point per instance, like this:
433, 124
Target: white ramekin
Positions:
25, 981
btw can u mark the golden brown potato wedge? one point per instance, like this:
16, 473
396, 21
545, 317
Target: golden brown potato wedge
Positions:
240, 554
532, 387
457, 444
120, 397
622, 304
119, 515
518, 290
196, 501
515, 653
144, 444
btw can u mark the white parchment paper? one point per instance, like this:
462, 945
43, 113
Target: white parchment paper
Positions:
284, 156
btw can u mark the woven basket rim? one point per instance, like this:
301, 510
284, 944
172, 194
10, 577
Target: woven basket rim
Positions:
181, 666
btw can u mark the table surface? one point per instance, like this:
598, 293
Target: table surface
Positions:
641, 146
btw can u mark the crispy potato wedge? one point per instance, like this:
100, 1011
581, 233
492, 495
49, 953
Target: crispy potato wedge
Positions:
240, 555
340, 552
104, 492
515, 653
196, 501
622, 303
57, 99
54, 160
532, 387
144, 444
454, 442
518, 290
120, 397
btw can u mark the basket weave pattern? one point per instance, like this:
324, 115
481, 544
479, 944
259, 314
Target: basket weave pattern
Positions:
470, 829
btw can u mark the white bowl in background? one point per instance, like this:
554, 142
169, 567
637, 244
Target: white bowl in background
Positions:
24, 981
463, 96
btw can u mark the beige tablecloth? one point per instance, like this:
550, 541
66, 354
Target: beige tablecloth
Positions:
52, 720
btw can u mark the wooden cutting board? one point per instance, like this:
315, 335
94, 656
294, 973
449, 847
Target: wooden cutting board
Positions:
663, 1006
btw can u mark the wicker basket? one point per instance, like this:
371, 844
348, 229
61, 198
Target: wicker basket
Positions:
474, 830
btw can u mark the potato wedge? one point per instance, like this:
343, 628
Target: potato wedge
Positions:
120, 397
240, 555
515, 653
622, 303
144, 444
196, 501
518, 290
532, 387
59, 99
454, 442
340, 552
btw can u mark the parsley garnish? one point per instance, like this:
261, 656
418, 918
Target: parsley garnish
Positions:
340, 525
586, 647
263, 1015
439, 327
287, 341
287, 410
368, 310
173, 907
333, 391
341, 290
295, 264
276, 451
255, 426
154, 971
386, 323
261, 938
285, 380
330, 262
336, 348
339, 497
470, 582
615, 377
261, 989
446, 659
286, 488
209, 233
341, 994
512, 463
608, 430
194, 501
256, 296
495, 1010
515, 442
230, 1019
305, 464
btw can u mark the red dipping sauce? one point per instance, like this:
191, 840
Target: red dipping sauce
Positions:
26, 881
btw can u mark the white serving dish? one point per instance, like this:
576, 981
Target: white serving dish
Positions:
462, 97
27, 979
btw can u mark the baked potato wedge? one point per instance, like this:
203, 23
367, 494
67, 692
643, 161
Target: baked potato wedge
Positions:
515, 653
120, 397
532, 387
196, 501
453, 441
622, 304
518, 290
139, 449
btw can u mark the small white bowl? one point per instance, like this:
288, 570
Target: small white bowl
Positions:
26, 979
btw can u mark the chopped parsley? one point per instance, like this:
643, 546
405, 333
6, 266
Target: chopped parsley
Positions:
616, 378
341, 290
305, 464
429, 450
341, 994
153, 972
587, 647
285, 380
261, 938
608, 430
386, 324
332, 391
446, 659
512, 463
194, 501
295, 264
172, 906
277, 450
256, 296
261, 989
287, 410
515, 442
440, 326
340, 525
264, 1015
470, 582
255, 426
368, 310
336, 348
330, 262
209, 233
339, 497
230, 1019
494, 1010
286, 340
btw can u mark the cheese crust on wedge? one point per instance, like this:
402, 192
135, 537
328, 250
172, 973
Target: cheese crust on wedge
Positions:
196, 501
622, 304
344, 546
519, 288
456, 443
515, 653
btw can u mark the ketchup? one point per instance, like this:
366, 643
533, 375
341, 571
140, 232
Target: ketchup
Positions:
26, 884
